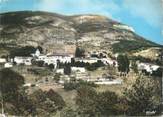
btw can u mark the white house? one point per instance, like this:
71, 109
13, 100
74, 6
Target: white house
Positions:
41, 58
3, 60
37, 53
62, 57
148, 67
87, 60
109, 61
78, 69
60, 71
8, 65
107, 82
54, 58
23, 60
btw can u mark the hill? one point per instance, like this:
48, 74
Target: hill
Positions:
54, 32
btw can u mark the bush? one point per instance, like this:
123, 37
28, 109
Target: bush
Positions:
76, 85
143, 96
38, 63
51, 66
10, 82
123, 63
47, 102
67, 69
79, 52
22, 51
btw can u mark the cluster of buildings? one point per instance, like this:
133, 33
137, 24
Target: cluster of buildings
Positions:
64, 57
53, 58
149, 68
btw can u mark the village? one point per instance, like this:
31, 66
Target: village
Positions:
67, 66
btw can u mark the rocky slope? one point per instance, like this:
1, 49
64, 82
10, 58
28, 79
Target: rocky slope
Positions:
57, 32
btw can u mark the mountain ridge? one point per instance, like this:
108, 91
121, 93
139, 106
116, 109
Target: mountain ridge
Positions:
53, 31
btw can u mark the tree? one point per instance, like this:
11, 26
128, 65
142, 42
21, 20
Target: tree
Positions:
123, 63
22, 51
86, 101
40, 49
51, 66
144, 95
56, 98
158, 72
56, 77
13, 94
68, 112
134, 66
10, 83
47, 102
79, 52
107, 103
67, 69
38, 63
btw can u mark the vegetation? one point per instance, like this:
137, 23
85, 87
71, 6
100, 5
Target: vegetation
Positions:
22, 51
38, 63
158, 72
39, 71
67, 69
51, 66
93, 104
132, 45
123, 63
17, 102
86, 101
143, 96
76, 84
88, 66
10, 83
15, 99
40, 49
47, 102
134, 66
79, 52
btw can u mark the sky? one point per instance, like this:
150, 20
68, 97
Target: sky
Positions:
145, 16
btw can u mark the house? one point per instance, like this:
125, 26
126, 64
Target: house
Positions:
23, 60
41, 58
37, 53
60, 71
8, 65
87, 60
108, 61
3, 60
54, 58
61, 57
78, 69
108, 82
148, 67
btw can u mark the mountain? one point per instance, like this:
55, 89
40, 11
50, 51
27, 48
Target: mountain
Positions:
55, 32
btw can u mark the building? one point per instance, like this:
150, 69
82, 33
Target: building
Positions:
54, 58
37, 53
3, 60
8, 65
108, 61
60, 71
148, 67
23, 60
87, 60
78, 69
61, 57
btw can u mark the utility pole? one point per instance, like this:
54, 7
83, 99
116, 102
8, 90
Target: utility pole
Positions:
162, 81
2, 106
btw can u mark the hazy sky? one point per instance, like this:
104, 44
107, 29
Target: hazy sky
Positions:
145, 16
